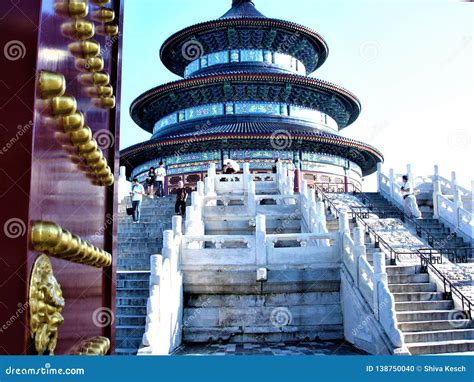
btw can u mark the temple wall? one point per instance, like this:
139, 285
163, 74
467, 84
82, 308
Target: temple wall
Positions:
327, 170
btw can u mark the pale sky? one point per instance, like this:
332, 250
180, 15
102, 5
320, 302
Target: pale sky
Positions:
409, 62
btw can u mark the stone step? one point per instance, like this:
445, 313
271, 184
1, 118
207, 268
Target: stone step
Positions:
439, 335
408, 279
145, 230
269, 334
126, 351
423, 305
401, 269
134, 259
422, 326
244, 282
441, 347
132, 283
125, 320
143, 251
131, 310
133, 264
417, 296
133, 275
129, 331
426, 315
136, 266
139, 238
150, 215
267, 318
415, 287
124, 300
129, 343
435, 229
136, 292
428, 221
258, 301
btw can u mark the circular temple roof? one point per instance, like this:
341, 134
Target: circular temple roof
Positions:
243, 32
337, 102
250, 135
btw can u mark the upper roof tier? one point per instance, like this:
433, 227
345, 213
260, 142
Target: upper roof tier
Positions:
242, 8
243, 27
335, 101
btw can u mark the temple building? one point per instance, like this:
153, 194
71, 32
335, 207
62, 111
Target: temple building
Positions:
246, 94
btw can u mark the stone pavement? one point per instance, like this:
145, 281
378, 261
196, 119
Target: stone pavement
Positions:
279, 349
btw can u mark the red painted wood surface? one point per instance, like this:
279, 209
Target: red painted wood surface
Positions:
39, 181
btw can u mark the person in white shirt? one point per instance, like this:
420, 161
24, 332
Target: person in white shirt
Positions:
160, 178
137, 196
411, 208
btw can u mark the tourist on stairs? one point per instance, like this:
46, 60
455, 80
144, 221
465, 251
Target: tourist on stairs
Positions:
411, 208
160, 176
137, 195
150, 180
181, 196
275, 166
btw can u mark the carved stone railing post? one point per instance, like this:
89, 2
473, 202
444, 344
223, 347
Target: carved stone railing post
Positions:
457, 205
200, 189
379, 176
260, 241
251, 203
246, 177
436, 192
380, 277
152, 325
279, 174
211, 175
343, 223
392, 183
169, 248
176, 224
384, 303
454, 182
410, 175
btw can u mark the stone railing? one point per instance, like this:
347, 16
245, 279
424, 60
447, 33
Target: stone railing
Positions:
314, 247
372, 284
220, 184
452, 204
163, 328
260, 250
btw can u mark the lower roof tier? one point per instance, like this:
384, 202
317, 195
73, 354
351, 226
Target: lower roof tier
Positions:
253, 135
337, 102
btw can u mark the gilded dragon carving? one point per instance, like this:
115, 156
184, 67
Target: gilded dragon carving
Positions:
46, 303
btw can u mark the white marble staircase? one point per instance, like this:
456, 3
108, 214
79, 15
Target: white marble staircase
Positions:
427, 317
